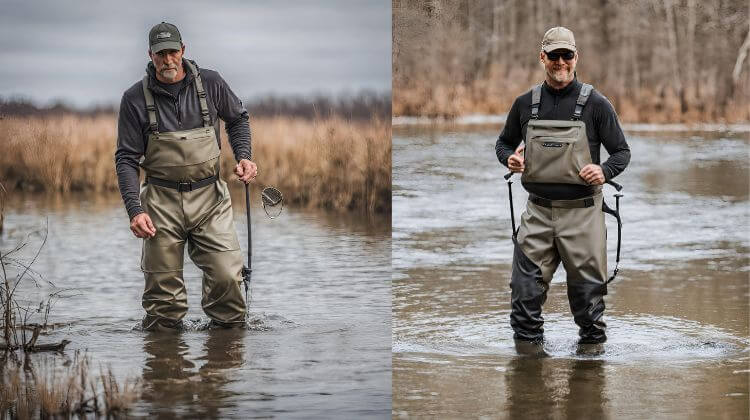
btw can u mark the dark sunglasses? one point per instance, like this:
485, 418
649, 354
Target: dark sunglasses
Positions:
555, 55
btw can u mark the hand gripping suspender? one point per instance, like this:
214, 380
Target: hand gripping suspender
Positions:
151, 107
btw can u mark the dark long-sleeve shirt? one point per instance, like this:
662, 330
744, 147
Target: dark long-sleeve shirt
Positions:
602, 128
173, 113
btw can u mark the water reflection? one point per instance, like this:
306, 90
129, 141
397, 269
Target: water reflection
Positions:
586, 385
542, 387
170, 378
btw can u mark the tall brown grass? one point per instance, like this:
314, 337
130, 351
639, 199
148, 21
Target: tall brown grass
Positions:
51, 391
329, 163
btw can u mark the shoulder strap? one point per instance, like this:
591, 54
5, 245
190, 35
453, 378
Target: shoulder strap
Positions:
583, 97
536, 98
150, 107
201, 94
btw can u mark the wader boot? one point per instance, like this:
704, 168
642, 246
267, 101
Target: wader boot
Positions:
188, 202
553, 231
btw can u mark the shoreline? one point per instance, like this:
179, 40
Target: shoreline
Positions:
499, 119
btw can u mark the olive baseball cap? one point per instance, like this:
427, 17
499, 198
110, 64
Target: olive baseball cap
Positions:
558, 38
164, 36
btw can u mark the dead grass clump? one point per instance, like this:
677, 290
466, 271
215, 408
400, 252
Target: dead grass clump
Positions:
117, 399
53, 391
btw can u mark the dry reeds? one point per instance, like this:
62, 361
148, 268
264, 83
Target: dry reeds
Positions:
73, 390
329, 163
64, 153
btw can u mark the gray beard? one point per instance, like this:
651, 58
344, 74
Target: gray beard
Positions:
169, 74
561, 77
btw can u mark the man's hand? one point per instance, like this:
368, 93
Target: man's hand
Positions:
592, 174
142, 226
246, 170
515, 161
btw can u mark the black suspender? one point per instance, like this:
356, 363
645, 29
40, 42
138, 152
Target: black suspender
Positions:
536, 99
583, 97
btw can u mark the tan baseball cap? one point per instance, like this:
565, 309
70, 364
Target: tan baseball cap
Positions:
558, 38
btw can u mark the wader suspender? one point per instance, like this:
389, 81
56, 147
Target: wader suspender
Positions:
151, 107
583, 97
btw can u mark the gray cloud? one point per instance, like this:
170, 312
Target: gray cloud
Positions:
89, 52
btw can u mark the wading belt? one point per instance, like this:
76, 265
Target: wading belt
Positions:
562, 204
182, 186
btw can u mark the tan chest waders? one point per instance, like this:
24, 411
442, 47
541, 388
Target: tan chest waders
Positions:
554, 231
187, 202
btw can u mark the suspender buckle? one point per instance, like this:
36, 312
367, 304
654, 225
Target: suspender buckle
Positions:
202, 94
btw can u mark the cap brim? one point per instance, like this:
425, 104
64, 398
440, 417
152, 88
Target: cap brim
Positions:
167, 45
559, 46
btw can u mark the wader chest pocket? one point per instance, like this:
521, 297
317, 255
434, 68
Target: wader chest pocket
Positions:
553, 160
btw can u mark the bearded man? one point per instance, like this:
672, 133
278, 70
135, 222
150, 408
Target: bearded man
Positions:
563, 124
168, 125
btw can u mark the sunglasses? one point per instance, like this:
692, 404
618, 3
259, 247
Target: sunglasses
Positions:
555, 55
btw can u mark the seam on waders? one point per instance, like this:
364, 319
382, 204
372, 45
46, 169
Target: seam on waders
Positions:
166, 271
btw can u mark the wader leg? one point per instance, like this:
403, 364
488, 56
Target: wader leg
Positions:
222, 299
164, 296
213, 247
534, 261
582, 244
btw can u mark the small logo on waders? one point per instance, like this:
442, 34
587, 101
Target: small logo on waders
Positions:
552, 145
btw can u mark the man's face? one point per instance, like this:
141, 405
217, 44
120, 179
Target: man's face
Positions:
168, 63
560, 70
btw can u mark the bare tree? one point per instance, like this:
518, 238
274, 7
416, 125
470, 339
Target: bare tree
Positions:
657, 60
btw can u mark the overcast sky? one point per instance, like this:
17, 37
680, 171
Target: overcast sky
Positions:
89, 52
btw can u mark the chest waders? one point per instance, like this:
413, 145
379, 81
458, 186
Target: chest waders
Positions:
554, 231
188, 202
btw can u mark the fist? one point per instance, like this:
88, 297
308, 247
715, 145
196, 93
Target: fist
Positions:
142, 227
515, 161
592, 174
246, 170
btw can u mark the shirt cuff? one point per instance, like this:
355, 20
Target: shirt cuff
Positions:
135, 211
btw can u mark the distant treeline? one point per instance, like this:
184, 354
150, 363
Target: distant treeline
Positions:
365, 105
656, 60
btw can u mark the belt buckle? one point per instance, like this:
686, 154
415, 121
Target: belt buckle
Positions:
183, 186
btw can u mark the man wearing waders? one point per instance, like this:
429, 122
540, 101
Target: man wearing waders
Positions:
168, 125
563, 123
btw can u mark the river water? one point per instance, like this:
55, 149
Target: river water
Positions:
677, 314
318, 340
